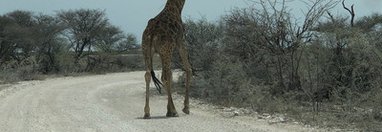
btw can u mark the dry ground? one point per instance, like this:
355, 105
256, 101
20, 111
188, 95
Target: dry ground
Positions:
111, 103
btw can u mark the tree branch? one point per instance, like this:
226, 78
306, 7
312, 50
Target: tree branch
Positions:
351, 11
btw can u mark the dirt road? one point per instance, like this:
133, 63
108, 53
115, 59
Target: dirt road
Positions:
109, 103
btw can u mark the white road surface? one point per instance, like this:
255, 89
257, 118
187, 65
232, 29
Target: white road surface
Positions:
110, 103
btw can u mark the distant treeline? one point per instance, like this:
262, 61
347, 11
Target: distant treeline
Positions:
69, 41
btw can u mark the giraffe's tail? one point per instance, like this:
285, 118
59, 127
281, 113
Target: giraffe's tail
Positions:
157, 83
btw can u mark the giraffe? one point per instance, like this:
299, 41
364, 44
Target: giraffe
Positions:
163, 34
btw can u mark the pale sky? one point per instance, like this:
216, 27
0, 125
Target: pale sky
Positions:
132, 15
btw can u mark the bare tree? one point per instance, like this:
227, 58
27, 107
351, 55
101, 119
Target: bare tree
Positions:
128, 43
18, 34
351, 12
48, 42
83, 28
283, 37
6, 47
109, 38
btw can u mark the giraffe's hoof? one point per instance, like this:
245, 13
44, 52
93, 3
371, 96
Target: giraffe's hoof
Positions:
186, 110
146, 116
172, 114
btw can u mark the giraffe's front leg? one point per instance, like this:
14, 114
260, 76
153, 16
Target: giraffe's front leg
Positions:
188, 71
171, 110
186, 108
167, 78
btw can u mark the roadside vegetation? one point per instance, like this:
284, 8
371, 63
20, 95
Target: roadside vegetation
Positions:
321, 69
69, 42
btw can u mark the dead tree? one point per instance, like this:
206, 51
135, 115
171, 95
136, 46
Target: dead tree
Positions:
351, 11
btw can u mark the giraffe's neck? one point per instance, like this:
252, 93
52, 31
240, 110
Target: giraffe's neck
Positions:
175, 6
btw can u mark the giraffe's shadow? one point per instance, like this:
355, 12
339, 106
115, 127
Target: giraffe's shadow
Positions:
154, 118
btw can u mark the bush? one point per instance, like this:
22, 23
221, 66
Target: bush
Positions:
328, 75
26, 70
115, 63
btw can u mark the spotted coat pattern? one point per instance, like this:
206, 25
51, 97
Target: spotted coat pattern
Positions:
164, 34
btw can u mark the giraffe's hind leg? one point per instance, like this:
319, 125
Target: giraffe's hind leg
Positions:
187, 67
148, 55
147, 107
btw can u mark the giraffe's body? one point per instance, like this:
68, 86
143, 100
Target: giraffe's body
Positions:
163, 34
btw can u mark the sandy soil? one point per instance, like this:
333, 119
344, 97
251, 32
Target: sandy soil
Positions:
111, 103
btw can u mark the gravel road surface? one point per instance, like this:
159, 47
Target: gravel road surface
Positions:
111, 103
